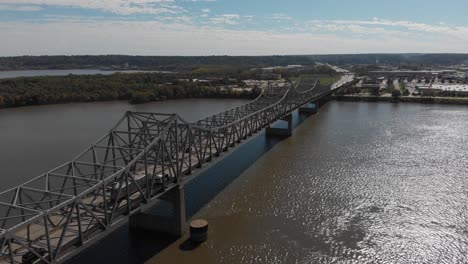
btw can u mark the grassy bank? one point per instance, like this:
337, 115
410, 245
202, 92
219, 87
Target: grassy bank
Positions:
325, 79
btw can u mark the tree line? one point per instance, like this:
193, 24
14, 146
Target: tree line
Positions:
136, 88
188, 63
167, 63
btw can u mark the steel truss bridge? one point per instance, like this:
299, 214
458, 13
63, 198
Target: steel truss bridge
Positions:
56, 214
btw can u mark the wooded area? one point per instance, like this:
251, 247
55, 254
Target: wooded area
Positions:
136, 88
162, 63
189, 63
144, 87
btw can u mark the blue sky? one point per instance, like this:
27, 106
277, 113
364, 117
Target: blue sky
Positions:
231, 27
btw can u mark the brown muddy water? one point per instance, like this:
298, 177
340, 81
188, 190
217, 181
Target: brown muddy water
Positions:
357, 183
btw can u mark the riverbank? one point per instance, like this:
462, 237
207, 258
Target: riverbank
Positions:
402, 99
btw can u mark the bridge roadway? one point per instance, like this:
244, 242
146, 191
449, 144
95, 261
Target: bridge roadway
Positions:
144, 158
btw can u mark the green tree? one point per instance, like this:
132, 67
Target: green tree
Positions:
404, 90
396, 93
375, 92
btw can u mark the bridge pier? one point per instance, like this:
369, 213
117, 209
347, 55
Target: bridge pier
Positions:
281, 132
175, 225
322, 101
311, 109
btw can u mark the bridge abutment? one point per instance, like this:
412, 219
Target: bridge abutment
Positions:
281, 132
174, 225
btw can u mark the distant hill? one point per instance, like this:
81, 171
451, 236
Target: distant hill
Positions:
184, 63
394, 59
167, 63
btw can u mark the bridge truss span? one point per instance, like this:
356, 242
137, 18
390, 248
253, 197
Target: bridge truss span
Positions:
144, 156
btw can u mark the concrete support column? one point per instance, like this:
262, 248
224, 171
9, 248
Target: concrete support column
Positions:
178, 201
281, 132
174, 225
289, 119
309, 110
322, 101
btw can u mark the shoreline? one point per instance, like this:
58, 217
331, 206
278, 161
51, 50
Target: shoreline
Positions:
402, 99
121, 101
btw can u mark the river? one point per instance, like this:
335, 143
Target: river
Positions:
357, 183
35, 139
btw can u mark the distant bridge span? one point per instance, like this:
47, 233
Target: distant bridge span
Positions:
144, 158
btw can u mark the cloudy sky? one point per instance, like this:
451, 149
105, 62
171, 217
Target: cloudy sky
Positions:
231, 27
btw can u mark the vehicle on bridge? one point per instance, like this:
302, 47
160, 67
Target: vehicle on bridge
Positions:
118, 191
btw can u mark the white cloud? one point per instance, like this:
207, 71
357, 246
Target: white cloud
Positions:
180, 32
23, 8
381, 26
280, 17
227, 19
181, 38
123, 7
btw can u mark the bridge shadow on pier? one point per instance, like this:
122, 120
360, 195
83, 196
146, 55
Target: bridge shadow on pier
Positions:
123, 246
